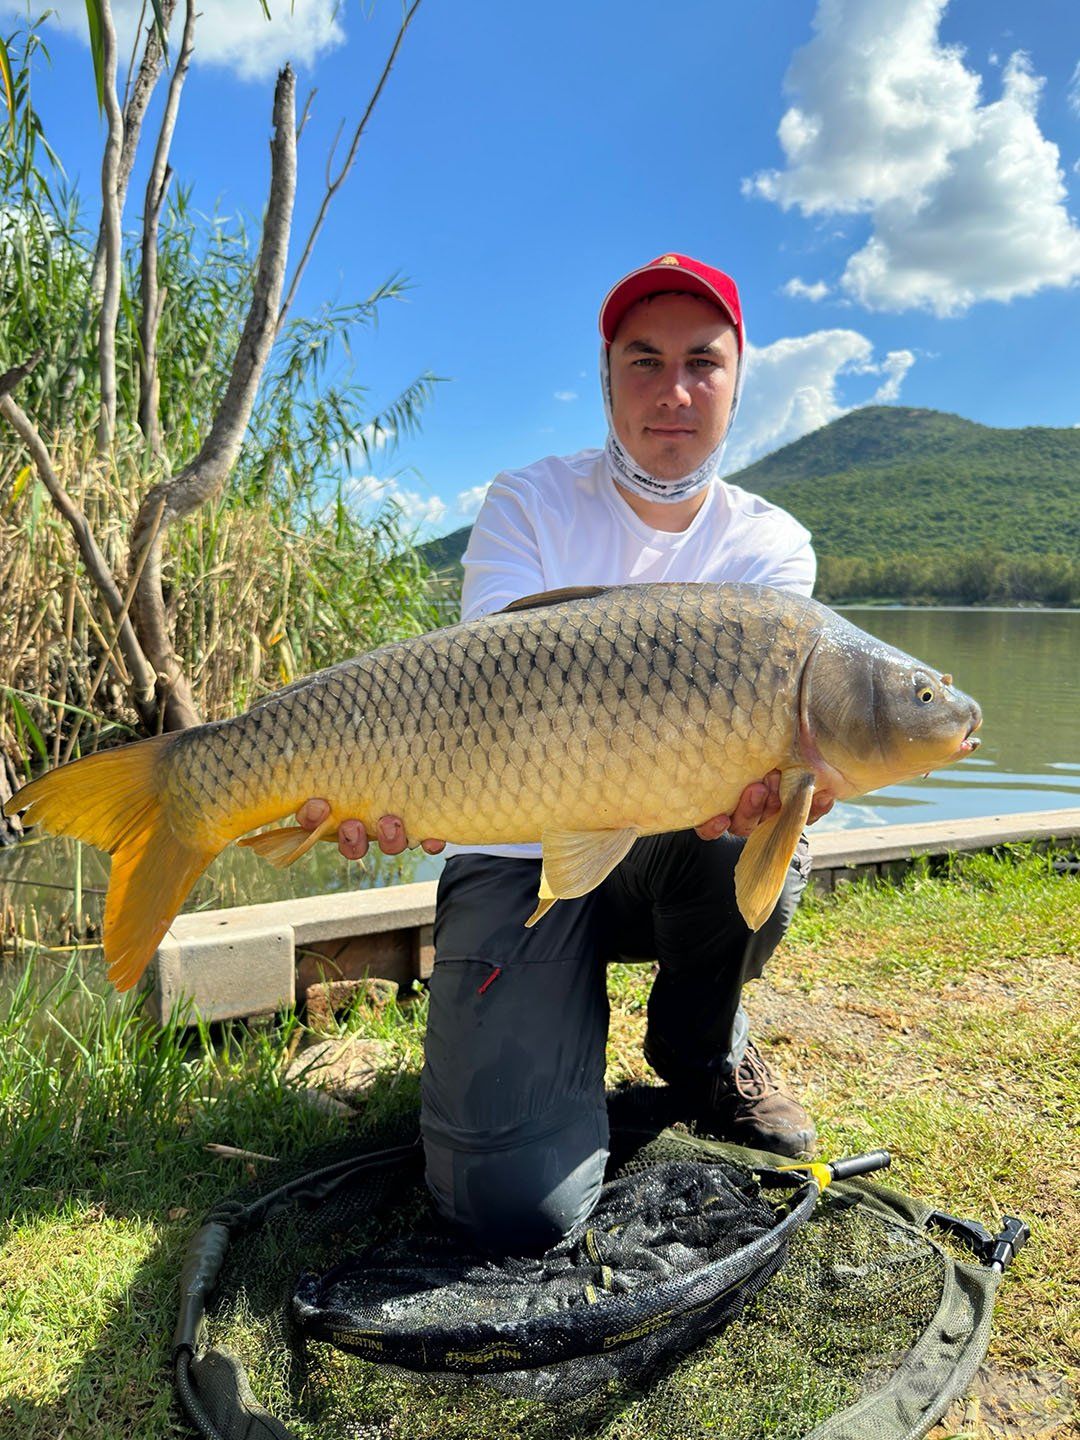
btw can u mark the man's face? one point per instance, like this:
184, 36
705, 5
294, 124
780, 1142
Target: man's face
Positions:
673, 365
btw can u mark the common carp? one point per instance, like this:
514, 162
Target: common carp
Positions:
582, 718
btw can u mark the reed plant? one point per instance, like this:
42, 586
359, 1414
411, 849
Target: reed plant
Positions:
272, 574
263, 589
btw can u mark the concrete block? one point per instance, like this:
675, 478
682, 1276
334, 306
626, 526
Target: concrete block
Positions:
227, 971
330, 917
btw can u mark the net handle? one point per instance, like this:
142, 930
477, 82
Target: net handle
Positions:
206, 1253
208, 1247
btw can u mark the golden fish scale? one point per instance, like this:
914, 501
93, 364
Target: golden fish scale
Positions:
648, 705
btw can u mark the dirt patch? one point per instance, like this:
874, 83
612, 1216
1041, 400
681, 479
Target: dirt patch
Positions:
1008, 1405
834, 1022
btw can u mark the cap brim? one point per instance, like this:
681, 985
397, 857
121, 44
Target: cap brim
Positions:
651, 280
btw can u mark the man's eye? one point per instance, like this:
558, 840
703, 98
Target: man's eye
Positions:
703, 362
645, 361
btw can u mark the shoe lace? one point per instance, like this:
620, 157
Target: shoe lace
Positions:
753, 1079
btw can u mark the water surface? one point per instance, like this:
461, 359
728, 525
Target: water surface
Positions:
1023, 667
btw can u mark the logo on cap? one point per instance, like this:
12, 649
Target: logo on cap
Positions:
668, 260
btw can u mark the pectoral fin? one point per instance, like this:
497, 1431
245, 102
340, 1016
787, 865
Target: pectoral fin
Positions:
282, 847
763, 864
576, 861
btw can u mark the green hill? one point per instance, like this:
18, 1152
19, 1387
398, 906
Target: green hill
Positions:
444, 554
906, 503
888, 481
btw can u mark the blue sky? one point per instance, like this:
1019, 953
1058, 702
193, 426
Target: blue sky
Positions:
893, 183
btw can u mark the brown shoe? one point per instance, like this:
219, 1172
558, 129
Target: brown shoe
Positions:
748, 1106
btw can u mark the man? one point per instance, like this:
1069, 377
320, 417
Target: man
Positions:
513, 1114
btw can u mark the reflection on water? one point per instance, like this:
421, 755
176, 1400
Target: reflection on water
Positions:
38, 882
1023, 667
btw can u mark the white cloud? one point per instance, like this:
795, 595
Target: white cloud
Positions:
800, 290
894, 367
420, 509
967, 200
566, 395
881, 107
366, 491
469, 501
372, 492
792, 388
233, 34
1073, 95
373, 439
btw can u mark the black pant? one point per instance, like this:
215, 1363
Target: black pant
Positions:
513, 1113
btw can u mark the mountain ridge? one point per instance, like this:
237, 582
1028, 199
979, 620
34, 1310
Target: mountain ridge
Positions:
885, 484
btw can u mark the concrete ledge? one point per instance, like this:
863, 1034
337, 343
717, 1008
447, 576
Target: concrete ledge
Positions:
319, 917
230, 970
888, 849
253, 959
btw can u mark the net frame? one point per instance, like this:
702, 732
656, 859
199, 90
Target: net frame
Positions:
937, 1370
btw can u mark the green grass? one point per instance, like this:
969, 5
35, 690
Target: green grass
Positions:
938, 1018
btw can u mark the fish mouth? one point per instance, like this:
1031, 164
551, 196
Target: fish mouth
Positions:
971, 741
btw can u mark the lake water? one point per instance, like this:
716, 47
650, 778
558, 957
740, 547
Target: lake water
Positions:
1023, 667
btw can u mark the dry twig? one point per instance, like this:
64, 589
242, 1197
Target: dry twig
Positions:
333, 185
141, 671
152, 298
110, 226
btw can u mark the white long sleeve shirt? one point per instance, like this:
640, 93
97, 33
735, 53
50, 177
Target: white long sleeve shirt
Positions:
562, 522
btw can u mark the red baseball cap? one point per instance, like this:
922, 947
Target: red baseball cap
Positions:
671, 272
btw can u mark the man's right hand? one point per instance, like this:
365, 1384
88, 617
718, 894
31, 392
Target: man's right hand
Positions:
352, 837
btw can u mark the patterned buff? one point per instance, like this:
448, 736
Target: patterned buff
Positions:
625, 470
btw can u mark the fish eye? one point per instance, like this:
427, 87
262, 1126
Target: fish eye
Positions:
926, 694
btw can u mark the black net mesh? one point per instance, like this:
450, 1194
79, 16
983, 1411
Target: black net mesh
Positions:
813, 1334
671, 1247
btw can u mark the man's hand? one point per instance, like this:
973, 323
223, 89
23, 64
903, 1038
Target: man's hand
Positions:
352, 837
760, 801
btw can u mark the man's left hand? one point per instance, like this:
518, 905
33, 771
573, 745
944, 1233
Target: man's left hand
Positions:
759, 802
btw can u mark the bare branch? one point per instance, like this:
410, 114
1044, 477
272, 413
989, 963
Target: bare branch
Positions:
305, 112
332, 186
18, 373
110, 224
206, 475
129, 74
136, 102
150, 68
135, 106
96, 564
156, 187
109, 650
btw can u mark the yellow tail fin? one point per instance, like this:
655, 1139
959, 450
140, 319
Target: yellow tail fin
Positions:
113, 800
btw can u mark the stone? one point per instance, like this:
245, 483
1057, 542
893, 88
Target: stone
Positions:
341, 1069
323, 1001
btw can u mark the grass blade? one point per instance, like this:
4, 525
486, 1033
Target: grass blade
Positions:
9, 87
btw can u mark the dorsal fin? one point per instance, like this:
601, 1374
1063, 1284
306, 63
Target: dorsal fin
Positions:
554, 597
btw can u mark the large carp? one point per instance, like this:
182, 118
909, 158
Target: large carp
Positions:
581, 718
